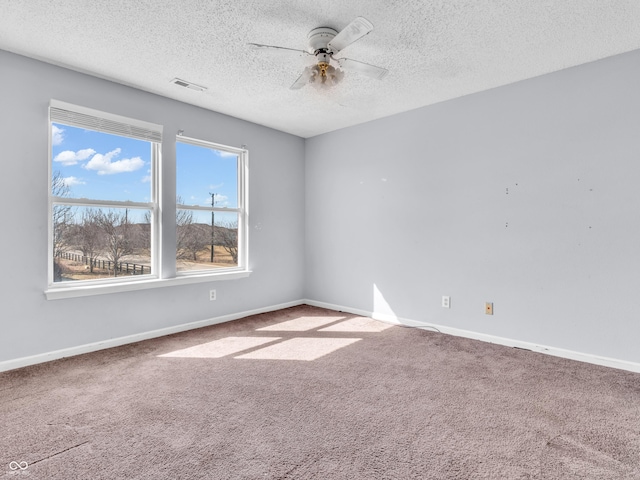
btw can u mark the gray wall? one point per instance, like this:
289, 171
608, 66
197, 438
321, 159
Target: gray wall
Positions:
527, 196
398, 212
31, 325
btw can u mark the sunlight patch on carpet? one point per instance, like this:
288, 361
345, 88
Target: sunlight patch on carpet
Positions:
357, 325
300, 324
220, 348
306, 349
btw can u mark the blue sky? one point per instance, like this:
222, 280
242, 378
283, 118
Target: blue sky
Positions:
101, 166
201, 172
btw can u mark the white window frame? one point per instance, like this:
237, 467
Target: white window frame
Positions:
78, 116
241, 210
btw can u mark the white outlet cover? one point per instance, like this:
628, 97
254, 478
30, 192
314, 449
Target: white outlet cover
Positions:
446, 302
212, 295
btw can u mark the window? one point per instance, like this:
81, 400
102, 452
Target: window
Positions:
103, 199
210, 207
104, 212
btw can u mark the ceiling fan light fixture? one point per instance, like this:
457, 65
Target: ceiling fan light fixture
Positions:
324, 76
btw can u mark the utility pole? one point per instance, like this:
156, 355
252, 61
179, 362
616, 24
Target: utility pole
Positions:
213, 218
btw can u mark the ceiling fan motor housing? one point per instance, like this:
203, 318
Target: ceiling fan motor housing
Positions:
318, 39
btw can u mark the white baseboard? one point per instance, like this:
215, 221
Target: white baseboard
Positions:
116, 342
557, 352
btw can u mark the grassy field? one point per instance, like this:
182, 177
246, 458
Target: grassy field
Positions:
73, 270
221, 259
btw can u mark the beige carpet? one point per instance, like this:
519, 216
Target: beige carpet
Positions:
307, 393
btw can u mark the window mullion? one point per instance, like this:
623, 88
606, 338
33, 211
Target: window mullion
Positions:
204, 208
85, 202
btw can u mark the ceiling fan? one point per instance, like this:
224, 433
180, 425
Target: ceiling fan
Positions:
325, 43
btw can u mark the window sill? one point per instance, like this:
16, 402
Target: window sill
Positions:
56, 293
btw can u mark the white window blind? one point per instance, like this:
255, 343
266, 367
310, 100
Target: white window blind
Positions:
83, 117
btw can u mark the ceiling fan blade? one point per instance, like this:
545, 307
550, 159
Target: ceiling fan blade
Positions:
302, 79
363, 68
260, 46
349, 34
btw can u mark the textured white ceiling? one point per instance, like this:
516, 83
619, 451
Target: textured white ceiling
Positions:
434, 49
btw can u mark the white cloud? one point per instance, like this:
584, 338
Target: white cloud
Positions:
69, 157
57, 135
71, 181
106, 165
223, 154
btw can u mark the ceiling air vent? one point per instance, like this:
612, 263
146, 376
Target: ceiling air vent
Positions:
192, 86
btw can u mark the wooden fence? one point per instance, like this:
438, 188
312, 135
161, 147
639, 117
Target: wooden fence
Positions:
122, 267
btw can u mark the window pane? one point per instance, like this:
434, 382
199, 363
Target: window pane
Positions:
96, 243
205, 174
197, 231
99, 166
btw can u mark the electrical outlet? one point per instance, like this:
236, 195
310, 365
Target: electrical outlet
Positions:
488, 308
446, 302
212, 295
